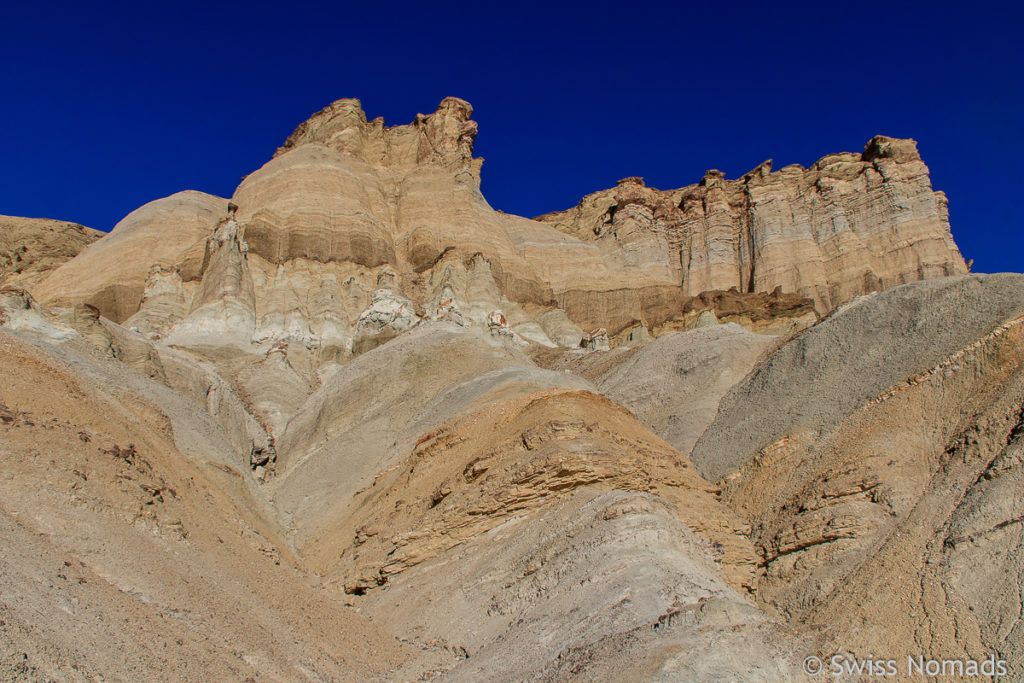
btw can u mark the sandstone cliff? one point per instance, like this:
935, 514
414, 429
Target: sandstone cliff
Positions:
848, 225
354, 424
351, 215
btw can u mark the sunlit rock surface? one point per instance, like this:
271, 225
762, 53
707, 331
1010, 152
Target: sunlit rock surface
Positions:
353, 424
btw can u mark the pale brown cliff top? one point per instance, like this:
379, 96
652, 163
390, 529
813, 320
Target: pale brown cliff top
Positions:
899, 150
883, 147
444, 137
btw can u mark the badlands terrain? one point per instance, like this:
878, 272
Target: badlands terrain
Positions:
352, 423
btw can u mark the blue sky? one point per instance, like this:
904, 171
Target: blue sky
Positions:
109, 105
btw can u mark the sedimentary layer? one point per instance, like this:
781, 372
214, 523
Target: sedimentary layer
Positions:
848, 225
349, 206
353, 424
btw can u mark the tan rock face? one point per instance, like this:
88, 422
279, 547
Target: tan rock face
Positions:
512, 457
848, 225
113, 274
346, 201
32, 247
526, 449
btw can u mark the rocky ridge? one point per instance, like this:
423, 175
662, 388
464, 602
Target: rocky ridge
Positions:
848, 225
395, 435
350, 211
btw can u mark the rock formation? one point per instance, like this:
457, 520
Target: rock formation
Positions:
346, 201
152, 240
848, 225
351, 423
877, 471
32, 247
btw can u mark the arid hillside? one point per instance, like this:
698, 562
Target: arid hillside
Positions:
353, 424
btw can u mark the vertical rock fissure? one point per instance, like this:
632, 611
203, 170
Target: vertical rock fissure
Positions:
749, 228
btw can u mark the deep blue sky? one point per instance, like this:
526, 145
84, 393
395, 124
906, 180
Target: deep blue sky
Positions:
107, 106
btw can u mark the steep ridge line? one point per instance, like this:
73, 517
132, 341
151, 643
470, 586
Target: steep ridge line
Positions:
346, 198
948, 363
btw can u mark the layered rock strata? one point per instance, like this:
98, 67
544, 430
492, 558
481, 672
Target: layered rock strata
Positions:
116, 271
354, 390
348, 207
848, 225
878, 473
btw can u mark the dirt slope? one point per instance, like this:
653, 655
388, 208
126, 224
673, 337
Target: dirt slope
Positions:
125, 560
881, 493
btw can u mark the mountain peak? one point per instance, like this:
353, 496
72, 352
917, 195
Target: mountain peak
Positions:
442, 138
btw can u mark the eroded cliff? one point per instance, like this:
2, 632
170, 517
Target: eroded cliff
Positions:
523, 449
351, 215
848, 225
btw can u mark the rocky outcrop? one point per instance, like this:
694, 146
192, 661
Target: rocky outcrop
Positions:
596, 340
444, 138
30, 248
877, 471
387, 316
19, 311
761, 312
526, 449
848, 225
112, 274
346, 202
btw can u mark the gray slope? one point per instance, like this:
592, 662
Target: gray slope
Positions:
857, 353
674, 384
374, 408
